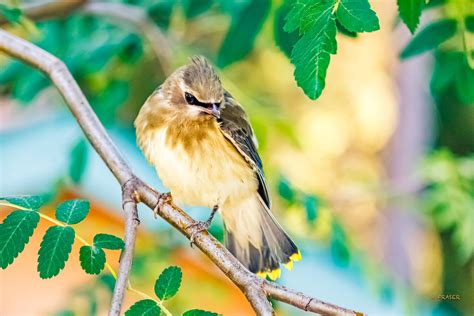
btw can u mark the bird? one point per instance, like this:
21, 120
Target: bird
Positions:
199, 139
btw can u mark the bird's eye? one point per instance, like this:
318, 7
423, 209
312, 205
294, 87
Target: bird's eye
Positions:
190, 99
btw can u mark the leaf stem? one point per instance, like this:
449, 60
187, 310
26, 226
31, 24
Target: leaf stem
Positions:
144, 295
85, 243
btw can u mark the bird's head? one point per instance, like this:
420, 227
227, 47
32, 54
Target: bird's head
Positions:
196, 89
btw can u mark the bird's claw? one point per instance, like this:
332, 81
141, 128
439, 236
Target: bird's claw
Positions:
198, 226
162, 200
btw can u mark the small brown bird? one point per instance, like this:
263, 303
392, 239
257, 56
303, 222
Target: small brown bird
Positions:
200, 141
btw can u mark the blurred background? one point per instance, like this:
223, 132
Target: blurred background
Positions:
374, 180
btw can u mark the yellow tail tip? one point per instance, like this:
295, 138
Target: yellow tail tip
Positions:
276, 273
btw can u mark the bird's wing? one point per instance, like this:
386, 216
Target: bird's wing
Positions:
236, 128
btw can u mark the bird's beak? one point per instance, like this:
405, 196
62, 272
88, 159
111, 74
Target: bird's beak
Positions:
213, 109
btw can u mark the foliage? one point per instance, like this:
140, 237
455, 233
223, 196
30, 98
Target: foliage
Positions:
78, 161
449, 199
18, 227
166, 286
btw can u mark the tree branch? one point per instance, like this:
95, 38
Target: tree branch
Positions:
255, 288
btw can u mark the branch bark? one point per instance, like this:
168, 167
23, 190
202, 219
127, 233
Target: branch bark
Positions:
255, 288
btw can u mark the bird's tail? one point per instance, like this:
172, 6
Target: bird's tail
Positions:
258, 241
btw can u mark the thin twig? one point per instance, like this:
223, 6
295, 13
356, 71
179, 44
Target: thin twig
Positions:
254, 288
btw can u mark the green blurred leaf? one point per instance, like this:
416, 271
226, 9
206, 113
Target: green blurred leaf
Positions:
78, 161
430, 37
12, 15
144, 308
465, 84
168, 283
15, 232
92, 259
54, 250
357, 16
131, 49
285, 190
72, 211
111, 99
341, 29
26, 88
193, 8
410, 12
434, 4
160, 12
198, 312
311, 54
469, 21
245, 25
284, 40
108, 281
11, 71
31, 202
447, 65
311, 205
339, 247
107, 241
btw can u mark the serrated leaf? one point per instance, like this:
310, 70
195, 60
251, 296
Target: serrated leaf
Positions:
311, 54
31, 202
410, 12
72, 211
430, 37
107, 241
357, 16
245, 25
92, 259
303, 13
78, 161
144, 308
168, 283
54, 250
284, 40
15, 232
341, 29
198, 312
12, 15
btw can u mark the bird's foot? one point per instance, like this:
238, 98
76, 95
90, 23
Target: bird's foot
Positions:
162, 200
198, 226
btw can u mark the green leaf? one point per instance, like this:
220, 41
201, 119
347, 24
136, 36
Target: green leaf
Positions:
430, 37
108, 281
284, 40
469, 21
160, 12
31, 202
193, 8
78, 161
311, 204
15, 232
311, 54
168, 283
245, 25
357, 16
54, 250
341, 29
464, 84
13, 15
198, 312
72, 211
92, 259
285, 190
26, 89
410, 12
144, 308
107, 241
447, 65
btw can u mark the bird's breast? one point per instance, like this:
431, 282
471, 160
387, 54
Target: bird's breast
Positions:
200, 168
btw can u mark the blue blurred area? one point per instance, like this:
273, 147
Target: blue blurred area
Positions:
34, 158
